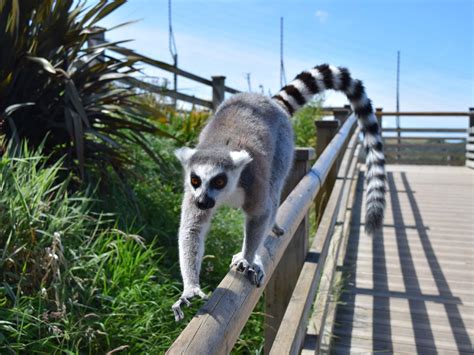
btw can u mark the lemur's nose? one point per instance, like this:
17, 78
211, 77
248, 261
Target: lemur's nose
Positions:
205, 203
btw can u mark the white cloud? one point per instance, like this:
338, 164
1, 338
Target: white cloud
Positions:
322, 16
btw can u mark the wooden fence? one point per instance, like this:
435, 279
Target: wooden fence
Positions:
445, 146
217, 84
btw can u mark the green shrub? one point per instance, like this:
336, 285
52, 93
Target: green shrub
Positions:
303, 124
52, 85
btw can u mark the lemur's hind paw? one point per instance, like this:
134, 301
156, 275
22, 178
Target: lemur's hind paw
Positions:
235, 259
188, 293
278, 230
256, 275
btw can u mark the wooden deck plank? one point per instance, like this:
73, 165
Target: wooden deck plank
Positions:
410, 289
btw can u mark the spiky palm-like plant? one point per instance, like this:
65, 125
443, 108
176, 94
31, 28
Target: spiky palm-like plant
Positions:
54, 88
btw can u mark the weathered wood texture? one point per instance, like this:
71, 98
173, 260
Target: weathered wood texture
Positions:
280, 287
321, 322
290, 335
410, 288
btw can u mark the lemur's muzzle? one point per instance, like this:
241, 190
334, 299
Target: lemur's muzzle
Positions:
205, 202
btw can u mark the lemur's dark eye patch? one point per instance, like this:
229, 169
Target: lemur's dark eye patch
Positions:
219, 181
195, 180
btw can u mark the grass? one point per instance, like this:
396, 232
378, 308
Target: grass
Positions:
78, 280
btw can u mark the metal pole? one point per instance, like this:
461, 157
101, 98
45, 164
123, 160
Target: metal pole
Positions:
399, 140
173, 52
282, 65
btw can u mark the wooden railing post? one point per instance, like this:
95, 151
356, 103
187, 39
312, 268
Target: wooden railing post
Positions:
470, 141
325, 131
281, 284
218, 90
341, 114
378, 115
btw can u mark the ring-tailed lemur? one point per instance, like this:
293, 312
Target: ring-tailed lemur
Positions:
243, 157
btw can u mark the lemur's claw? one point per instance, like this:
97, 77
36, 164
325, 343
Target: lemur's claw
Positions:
184, 299
277, 230
256, 275
178, 313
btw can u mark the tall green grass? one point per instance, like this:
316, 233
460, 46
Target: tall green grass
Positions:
78, 280
70, 281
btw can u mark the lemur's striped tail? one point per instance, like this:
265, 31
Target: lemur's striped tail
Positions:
322, 77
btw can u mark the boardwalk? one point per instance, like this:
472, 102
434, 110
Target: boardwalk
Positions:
410, 289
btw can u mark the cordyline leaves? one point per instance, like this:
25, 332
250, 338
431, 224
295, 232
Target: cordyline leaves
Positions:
55, 84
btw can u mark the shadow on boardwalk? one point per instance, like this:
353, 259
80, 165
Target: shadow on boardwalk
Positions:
410, 288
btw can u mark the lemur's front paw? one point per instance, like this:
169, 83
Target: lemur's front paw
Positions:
254, 271
188, 293
256, 275
278, 230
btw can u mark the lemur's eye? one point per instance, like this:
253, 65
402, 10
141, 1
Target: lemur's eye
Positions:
195, 181
219, 181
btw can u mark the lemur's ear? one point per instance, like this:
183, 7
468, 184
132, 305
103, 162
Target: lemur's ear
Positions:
240, 158
184, 153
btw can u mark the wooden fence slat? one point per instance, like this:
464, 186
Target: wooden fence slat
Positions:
280, 287
347, 220
458, 145
444, 130
437, 113
159, 90
415, 138
327, 279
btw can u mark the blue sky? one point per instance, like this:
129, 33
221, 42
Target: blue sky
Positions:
232, 38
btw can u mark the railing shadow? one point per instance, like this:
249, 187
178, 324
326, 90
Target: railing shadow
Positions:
461, 335
384, 335
422, 329
381, 336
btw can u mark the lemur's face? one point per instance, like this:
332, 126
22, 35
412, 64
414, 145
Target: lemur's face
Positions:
211, 177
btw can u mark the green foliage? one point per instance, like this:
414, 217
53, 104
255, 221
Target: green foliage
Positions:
34, 207
74, 282
303, 124
53, 85
185, 126
70, 281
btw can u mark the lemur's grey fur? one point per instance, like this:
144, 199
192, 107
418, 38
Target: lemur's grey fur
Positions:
242, 159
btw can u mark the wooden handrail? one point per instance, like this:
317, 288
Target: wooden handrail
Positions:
169, 67
159, 90
413, 113
443, 130
290, 335
217, 325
